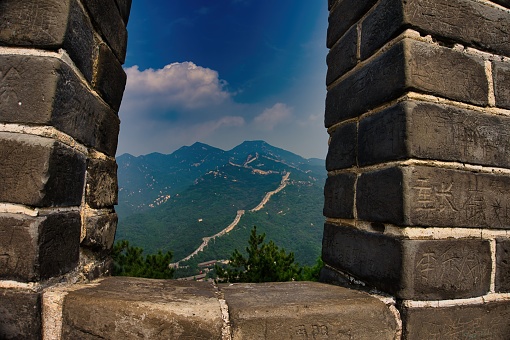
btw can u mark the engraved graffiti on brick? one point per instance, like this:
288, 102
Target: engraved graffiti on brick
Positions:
8, 95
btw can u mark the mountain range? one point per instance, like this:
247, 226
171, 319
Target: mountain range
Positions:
201, 202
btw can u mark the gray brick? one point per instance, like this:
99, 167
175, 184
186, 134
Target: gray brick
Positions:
408, 65
107, 18
102, 187
502, 266
35, 248
380, 196
100, 230
152, 309
45, 91
21, 314
483, 321
343, 56
471, 23
434, 197
305, 310
411, 269
342, 148
124, 9
110, 78
414, 129
501, 73
339, 196
58, 24
39, 171
344, 15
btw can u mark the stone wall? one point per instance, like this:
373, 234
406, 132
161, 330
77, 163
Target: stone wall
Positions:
418, 194
61, 84
417, 201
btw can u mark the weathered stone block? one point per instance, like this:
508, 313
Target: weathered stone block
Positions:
409, 64
342, 148
34, 248
339, 196
124, 9
49, 24
429, 196
39, 171
502, 266
380, 196
413, 129
411, 269
501, 72
44, 90
471, 23
132, 308
306, 310
344, 15
102, 187
342, 56
483, 321
20, 314
107, 18
100, 230
110, 78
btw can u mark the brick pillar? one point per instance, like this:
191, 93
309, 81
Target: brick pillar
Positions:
61, 84
417, 199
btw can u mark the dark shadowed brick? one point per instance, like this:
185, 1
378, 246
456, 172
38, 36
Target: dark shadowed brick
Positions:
414, 129
343, 56
502, 265
34, 248
501, 73
339, 196
471, 23
480, 321
20, 313
342, 148
410, 269
124, 9
39, 171
110, 78
100, 230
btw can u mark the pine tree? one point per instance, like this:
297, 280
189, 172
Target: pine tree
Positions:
129, 261
265, 263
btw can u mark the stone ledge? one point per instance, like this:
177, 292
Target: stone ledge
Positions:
132, 308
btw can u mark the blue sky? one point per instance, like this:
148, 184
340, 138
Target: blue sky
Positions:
224, 71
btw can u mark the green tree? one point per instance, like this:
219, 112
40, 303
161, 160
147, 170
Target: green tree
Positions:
129, 261
311, 273
265, 263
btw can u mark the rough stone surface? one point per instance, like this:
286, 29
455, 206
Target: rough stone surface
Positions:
471, 23
344, 15
102, 187
502, 266
100, 230
483, 321
45, 91
413, 129
380, 196
501, 73
20, 313
411, 269
34, 248
339, 196
124, 9
408, 65
110, 78
343, 55
306, 310
434, 197
107, 18
132, 308
342, 148
39, 171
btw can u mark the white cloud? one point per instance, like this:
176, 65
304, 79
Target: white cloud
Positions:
273, 116
176, 86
